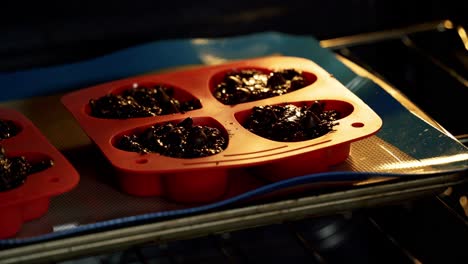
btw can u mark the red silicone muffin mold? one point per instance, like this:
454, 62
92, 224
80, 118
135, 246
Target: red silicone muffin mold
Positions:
31, 199
205, 179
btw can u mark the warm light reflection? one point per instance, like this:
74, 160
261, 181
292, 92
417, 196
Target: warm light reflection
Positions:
448, 24
200, 41
464, 204
390, 153
372, 181
462, 33
425, 162
210, 59
448, 191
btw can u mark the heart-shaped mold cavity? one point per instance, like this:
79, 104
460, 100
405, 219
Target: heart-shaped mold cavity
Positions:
197, 178
293, 122
243, 85
8, 129
142, 100
16, 167
186, 138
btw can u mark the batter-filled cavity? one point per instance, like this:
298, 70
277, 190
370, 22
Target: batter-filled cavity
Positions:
291, 123
250, 85
182, 140
15, 170
141, 101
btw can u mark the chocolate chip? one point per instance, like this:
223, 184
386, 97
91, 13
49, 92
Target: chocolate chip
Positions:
197, 136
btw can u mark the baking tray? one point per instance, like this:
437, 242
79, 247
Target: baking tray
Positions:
205, 179
436, 161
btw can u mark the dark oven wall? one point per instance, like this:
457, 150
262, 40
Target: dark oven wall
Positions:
43, 33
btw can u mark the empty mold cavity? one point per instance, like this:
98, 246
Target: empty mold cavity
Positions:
8, 129
184, 138
235, 86
142, 100
293, 122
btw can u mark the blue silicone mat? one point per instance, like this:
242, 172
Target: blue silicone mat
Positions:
401, 128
